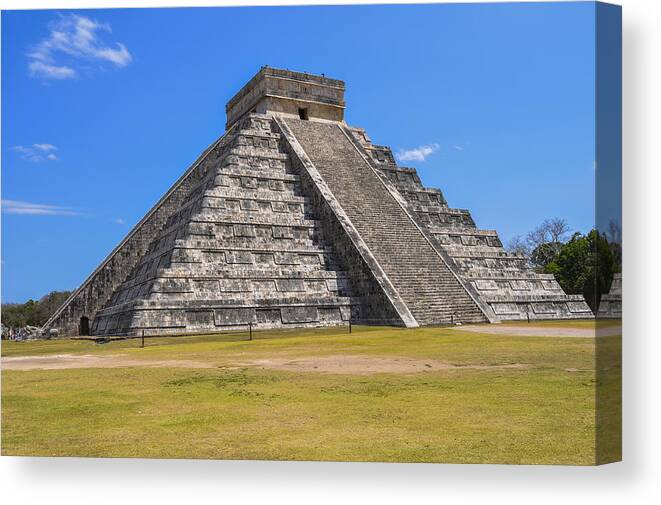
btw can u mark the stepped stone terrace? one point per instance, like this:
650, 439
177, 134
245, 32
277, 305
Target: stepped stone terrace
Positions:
293, 218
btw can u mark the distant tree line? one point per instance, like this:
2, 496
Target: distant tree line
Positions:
32, 313
584, 264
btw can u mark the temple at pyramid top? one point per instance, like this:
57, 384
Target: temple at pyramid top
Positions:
296, 94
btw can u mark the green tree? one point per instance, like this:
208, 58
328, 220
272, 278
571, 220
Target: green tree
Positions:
33, 313
584, 265
541, 244
13, 315
615, 239
544, 254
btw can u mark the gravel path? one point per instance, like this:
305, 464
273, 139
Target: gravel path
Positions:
339, 364
540, 331
62, 361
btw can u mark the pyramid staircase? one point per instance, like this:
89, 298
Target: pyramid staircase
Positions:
425, 283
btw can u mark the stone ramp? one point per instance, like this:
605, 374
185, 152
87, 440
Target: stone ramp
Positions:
422, 279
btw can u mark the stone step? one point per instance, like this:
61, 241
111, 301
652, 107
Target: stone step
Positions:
239, 217
224, 193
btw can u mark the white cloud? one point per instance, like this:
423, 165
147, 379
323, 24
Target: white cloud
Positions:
118, 220
417, 154
36, 152
41, 69
74, 38
459, 148
35, 209
45, 147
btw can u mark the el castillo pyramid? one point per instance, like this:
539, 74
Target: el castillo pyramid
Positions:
293, 218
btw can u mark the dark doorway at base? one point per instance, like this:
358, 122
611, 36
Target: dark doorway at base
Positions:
84, 327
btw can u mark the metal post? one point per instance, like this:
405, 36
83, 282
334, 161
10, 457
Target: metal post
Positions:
452, 319
250, 327
349, 325
528, 315
143, 339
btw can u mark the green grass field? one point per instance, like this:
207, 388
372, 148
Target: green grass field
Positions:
540, 411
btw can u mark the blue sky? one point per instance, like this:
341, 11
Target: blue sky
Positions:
102, 112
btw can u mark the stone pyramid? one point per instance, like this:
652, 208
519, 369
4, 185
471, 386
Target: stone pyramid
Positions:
293, 218
610, 306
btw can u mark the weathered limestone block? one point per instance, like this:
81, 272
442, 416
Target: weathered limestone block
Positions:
234, 316
291, 315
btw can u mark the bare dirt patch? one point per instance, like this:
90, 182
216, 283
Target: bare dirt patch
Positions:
64, 361
366, 365
541, 331
337, 364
